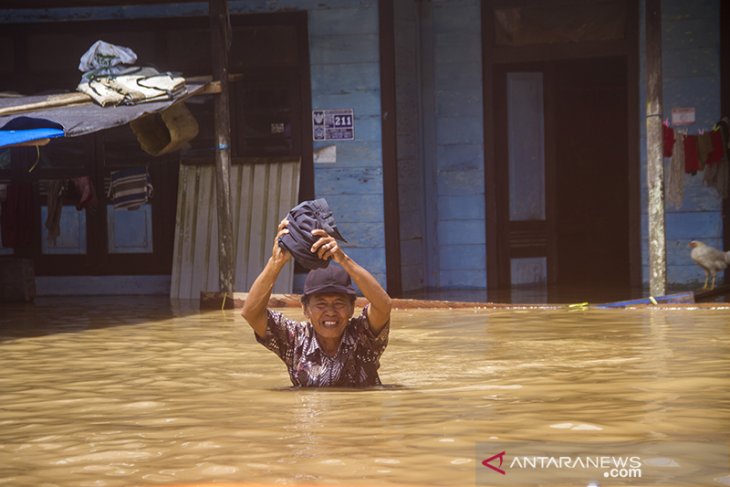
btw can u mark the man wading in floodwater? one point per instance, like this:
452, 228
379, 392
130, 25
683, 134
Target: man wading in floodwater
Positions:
332, 348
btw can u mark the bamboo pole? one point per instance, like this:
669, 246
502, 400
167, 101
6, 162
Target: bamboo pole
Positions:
52, 101
654, 166
220, 45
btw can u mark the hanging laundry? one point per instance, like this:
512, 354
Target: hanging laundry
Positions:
717, 173
675, 175
704, 148
56, 192
718, 176
718, 152
130, 188
17, 216
724, 126
691, 157
84, 193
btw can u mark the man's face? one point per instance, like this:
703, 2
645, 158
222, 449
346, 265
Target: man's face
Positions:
329, 313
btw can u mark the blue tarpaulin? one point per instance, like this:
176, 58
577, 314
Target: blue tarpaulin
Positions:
15, 137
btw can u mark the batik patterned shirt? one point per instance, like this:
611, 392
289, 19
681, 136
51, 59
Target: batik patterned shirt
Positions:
355, 364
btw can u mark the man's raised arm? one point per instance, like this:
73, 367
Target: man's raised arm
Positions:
254, 309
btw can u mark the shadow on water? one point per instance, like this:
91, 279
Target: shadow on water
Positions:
69, 314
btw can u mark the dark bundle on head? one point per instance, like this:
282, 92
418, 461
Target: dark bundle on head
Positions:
303, 218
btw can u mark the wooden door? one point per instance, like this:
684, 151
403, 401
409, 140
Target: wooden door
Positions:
525, 207
562, 172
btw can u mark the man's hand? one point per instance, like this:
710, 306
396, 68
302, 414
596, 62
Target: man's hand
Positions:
279, 255
326, 247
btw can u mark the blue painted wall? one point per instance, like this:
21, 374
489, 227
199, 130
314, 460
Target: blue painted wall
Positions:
440, 143
459, 143
691, 72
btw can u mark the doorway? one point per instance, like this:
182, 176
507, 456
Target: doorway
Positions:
562, 172
591, 181
562, 167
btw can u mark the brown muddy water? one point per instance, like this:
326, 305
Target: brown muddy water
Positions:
127, 391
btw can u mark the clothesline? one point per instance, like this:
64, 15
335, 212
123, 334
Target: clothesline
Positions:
707, 151
129, 189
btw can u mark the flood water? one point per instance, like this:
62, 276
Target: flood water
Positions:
127, 391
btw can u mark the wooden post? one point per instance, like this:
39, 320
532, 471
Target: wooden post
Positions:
654, 166
725, 107
220, 46
390, 150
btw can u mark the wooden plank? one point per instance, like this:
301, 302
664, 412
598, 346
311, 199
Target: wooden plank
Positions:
214, 300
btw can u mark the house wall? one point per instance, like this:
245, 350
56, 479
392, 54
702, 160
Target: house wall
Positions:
454, 141
444, 245
344, 56
440, 143
691, 73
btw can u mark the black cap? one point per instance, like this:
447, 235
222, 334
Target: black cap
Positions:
328, 280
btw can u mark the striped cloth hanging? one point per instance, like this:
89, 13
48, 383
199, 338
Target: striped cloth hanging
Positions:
130, 188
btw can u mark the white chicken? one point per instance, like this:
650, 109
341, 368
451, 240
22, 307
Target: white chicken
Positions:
710, 259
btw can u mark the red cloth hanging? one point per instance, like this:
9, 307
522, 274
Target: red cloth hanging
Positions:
85, 192
691, 157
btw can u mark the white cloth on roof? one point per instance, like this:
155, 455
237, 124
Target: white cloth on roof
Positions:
103, 58
110, 79
132, 86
